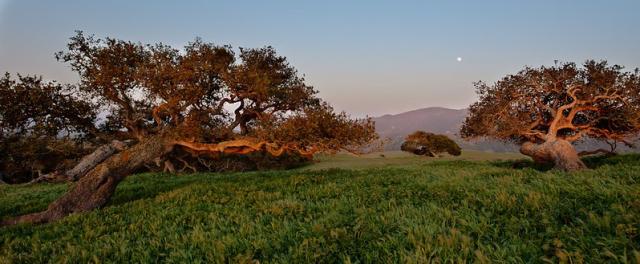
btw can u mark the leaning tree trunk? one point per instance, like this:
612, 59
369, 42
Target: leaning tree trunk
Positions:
557, 151
96, 188
92, 160
98, 185
86, 164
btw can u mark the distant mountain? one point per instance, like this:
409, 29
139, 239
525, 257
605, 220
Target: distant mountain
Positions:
447, 121
433, 119
437, 120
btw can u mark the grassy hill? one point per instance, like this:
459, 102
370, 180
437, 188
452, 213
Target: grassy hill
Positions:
391, 209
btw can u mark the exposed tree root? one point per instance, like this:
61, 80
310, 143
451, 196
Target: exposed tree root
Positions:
168, 167
185, 166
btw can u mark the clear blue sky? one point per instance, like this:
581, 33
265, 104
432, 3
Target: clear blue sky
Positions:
365, 57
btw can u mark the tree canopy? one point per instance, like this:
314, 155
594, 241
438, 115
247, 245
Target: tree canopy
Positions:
559, 104
204, 100
41, 126
207, 93
30, 106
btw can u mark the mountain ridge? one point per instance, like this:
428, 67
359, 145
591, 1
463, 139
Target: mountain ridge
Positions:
448, 121
435, 119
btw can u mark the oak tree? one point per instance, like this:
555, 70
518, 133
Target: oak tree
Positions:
42, 125
205, 100
429, 144
547, 109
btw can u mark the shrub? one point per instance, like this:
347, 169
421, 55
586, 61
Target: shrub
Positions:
429, 144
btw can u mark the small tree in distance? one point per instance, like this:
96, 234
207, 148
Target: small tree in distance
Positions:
547, 109
429, 144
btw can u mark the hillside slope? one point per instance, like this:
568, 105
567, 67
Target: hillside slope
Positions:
435, 119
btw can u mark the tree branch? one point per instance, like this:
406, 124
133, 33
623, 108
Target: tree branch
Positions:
597, 151
559, 114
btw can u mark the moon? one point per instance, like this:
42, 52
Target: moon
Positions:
459, 59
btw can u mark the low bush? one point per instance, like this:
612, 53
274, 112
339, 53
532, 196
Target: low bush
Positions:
429, 144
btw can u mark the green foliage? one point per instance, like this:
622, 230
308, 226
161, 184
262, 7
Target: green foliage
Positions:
454, 211
42, 126
30, 106
25, 157
400, 159
425, 143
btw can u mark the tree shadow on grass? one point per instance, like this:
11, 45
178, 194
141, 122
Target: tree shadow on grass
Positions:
596, 161
592, 162
148, 185
521, 164
133, 188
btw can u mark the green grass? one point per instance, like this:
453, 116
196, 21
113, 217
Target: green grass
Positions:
416, 212
400, 158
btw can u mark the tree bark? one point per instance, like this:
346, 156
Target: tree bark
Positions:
96, 188
85, 165
92, 160
98, 185
556, 151
53, 177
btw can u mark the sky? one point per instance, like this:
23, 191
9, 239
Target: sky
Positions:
364, 57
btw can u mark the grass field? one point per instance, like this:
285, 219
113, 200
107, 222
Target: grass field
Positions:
392, 209
400, 158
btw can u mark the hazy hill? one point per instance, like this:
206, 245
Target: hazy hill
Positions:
438, 120
434, 119
447, 121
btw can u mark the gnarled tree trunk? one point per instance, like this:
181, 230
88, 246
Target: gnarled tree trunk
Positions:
96, 188
98, 185
556, 151
92, 160
86, 164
